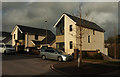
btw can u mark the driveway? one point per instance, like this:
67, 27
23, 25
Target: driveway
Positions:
26, 65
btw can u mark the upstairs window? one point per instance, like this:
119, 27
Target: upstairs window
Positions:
36, 37
70, 27
71, 44
89, 39
14, 36
93, 32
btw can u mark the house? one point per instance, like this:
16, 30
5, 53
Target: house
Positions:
6, 38
67, 32
114, 47
24, 37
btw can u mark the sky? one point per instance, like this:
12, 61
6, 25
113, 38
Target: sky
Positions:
34, 14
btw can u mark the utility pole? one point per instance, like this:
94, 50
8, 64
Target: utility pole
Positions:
46, 32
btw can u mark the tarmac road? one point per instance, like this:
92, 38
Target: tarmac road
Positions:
30, 65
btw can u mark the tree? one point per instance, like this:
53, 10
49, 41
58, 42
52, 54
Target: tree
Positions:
80, 34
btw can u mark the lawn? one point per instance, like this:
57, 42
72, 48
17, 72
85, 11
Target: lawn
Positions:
102, 61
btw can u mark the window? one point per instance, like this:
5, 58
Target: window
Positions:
71, 45
60, 46
23, 36
70, 27
49, 51
14, 36
93, 32
89, 39
36, 37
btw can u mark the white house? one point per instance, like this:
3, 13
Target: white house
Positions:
67, 32
24, 37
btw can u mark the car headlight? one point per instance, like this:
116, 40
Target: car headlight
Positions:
64, 57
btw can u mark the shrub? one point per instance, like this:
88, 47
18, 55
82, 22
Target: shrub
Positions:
98, 56
85, 55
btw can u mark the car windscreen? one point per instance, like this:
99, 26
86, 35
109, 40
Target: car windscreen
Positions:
59, 51
44, 47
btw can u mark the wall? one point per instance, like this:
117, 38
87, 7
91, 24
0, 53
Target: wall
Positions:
69, 35
29, 38
60, 38
40, 38
16, 36
96, 41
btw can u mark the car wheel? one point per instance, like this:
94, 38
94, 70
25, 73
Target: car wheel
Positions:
43, 57
59, 59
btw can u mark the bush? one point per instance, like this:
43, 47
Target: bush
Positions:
98, 56
85, 55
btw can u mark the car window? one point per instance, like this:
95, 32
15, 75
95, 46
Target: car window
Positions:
42, 50
59, 51
46, 50
9, 46
1, 45
50, 51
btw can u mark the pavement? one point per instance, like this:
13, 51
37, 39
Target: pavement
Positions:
87, 69
26, 65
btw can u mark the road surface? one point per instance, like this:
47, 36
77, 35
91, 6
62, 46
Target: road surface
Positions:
26, 65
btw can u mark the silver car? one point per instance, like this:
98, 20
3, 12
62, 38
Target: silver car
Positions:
56, 54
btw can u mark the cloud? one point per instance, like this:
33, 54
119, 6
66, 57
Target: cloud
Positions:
0, 16
35, 14
105, 14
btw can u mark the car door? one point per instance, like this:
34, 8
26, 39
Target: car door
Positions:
54, 55
47, 54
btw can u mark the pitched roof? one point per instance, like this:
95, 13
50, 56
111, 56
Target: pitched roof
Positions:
37, 31
7, 36
50, 39
32, 30
85, 23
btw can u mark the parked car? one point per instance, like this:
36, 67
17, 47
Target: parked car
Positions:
56, 54
33, 50
7, 49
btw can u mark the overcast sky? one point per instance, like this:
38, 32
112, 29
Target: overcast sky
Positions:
105, 14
